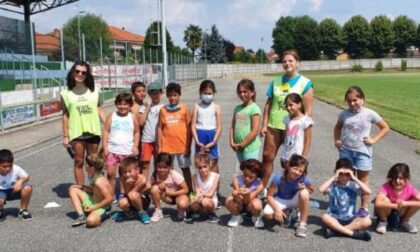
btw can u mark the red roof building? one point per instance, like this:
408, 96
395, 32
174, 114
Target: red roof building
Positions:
48, 44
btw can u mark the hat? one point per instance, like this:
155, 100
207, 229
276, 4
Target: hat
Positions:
154, 86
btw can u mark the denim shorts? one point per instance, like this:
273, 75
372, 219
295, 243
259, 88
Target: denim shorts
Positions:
184, 161
361, 161
9, 194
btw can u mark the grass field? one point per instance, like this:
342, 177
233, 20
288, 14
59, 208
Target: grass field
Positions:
394, 95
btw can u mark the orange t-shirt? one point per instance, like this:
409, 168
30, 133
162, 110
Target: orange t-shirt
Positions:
174, 130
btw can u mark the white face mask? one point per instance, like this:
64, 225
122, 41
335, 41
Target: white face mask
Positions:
206, 99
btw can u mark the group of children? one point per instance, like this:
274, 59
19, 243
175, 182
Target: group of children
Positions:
137, 133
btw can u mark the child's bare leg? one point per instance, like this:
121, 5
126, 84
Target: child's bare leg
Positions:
304, 198
1, 203
135, 199
333, 223
155, 194
111, 172
25, 196
363, 176
383, 212
187, 176
124, 204
182, 202
255, 207
408, 213
233, 207
76, 196
207, 205
359, 224
145, 169
93, 220
195, 207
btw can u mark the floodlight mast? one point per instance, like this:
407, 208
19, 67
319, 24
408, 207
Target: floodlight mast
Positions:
164, 53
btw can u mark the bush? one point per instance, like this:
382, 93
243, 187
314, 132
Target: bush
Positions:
379, 66
357, 68
403, 65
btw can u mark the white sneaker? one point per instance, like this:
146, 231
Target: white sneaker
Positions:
258, 222
381, 228
407, 226
235, 220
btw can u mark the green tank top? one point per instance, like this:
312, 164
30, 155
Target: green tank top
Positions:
280, 91
83, 113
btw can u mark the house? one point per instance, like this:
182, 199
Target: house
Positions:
272, 56
122, 40
342, 56
49, 44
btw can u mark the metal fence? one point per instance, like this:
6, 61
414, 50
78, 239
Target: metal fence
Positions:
15, 35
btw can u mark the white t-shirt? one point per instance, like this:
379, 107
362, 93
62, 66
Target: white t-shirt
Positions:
295, 133
6, 182
121, 135
149, 128
205, 186
206, 116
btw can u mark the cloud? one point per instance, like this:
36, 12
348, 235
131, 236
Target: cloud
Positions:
316, 4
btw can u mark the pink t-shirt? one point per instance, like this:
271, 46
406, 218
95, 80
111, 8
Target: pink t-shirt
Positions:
172, 182
407, 193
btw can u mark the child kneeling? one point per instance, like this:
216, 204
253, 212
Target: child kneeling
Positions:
244, 197
290, 190
93, 200
169, 186
134, 201
342, 190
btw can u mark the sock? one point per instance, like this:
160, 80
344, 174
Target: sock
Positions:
361, 235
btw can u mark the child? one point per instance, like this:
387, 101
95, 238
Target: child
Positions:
13, 185
138, 90
353, 140
298, 129
174, 131
245, 123
93, 199
120, 136
206, 122
205, 186
399, 198
148, 138
169, 186
246, 188
342, 189
134, 183
290, 190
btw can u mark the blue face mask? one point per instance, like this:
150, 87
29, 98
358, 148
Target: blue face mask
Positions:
206, 98
171, 107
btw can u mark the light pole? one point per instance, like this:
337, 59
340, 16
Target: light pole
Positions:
78, 31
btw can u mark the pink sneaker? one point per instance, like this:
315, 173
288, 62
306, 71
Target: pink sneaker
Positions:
157, 215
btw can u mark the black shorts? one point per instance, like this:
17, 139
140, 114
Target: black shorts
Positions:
145, 200
89, 139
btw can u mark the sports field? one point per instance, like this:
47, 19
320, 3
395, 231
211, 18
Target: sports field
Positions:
394, 95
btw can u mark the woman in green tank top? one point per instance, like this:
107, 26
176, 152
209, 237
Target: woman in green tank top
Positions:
81, 114
273, 127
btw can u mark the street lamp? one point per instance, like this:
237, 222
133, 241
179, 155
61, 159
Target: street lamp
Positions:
78, 31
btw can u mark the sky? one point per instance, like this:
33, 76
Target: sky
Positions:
247, 23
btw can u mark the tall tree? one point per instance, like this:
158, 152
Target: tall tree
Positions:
330, 37
229, 48
404, 30
193, 37
153, 42
94, 28
356, 36
261, 56
306, 37
213, 50
417, 42
382, 36
283, 34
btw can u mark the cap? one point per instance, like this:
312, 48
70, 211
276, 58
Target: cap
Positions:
154, 86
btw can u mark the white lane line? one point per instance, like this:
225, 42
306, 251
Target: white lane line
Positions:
230, 240
38, 151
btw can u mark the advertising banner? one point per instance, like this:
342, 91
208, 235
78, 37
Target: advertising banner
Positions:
17, 115
49, 108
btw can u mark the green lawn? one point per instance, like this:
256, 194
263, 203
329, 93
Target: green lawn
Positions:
395, 96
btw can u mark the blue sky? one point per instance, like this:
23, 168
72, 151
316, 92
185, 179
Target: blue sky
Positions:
244, 22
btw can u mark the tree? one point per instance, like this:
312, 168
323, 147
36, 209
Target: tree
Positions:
404, 30
243, 56
305, 38
283, 34
417, 42
382, 36
193, 37
229, 48
356, 36
213, 50
330, 37
153, 43
261, 56
94, 28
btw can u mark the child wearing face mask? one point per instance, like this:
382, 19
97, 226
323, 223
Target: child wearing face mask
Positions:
206, 123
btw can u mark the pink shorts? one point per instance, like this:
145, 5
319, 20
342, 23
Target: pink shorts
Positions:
114, 159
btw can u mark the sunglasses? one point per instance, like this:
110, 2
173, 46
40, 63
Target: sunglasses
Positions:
80, 72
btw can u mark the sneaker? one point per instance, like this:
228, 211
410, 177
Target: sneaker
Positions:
381, 228
25, 215
362, 213
157, 215
235, 220
181, 215
219, 204
407, 226
80, 221
2, 215
301, 231
213, 218
288, 221
258, 222
362, 235
189, 217
144, 217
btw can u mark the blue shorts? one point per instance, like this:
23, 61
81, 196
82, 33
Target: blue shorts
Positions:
206, 137
361, 161
243, 155
9, 194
